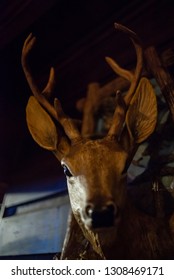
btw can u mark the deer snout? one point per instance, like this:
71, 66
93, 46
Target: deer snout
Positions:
101, 216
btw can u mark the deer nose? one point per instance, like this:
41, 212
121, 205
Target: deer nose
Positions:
102, 216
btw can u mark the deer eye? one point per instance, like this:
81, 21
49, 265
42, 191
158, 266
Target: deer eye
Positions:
66, 171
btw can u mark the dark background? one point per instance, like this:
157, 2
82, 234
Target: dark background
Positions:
74, 37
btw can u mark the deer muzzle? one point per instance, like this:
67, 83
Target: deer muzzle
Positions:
102, 216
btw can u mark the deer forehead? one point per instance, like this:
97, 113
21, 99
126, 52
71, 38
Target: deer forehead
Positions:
95, 156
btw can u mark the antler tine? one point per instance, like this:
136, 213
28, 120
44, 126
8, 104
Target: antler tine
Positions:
139, 52
119, 70
55, 111
118, 117
120, 110
47, 91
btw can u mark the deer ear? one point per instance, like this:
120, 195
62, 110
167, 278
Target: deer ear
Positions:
141, 116
44, 131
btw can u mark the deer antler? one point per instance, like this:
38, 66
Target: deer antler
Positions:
55, 111
120, 111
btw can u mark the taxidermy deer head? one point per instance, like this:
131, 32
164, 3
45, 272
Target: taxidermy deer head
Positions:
95, 169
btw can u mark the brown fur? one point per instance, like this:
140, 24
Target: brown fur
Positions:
96, 170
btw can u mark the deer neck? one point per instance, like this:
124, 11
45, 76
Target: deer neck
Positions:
138, 237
